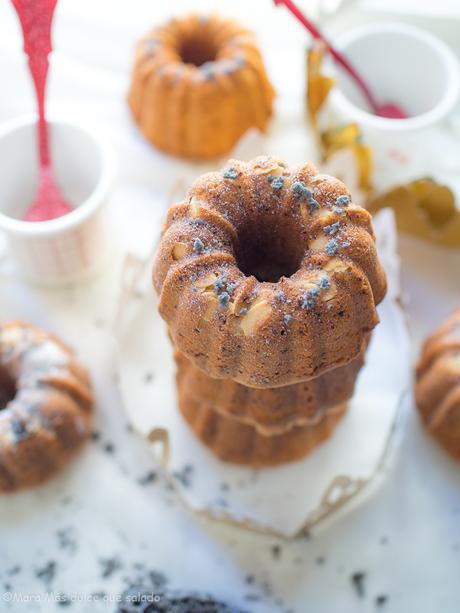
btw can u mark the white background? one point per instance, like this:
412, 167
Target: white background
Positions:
405, 536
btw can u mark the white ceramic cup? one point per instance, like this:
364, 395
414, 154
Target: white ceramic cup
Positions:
72, 247
408, 66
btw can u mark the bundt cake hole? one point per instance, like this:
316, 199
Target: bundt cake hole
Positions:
198, 49
7, 388
272, 251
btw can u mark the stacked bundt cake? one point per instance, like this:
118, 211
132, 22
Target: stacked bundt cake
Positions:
270, 410
437, 387
198, 85
46, 405
268, 279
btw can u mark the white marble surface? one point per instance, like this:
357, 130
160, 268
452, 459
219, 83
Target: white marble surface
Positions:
405, 536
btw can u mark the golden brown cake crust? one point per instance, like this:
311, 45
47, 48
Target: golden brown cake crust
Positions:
46, 405
437, 387
198, 84
268, 275
233, 441
270, 411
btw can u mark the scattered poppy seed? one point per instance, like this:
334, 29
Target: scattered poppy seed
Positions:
381, 600
47, 572
276, 552
357, 580
109, 566
149, 477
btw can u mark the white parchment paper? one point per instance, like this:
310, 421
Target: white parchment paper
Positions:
315, 486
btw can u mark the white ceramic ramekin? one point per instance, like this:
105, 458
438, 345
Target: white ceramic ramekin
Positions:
72, 247
402, 64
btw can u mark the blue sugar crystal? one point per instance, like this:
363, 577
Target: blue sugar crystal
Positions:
313, 292
287, 318
332, 228
324, 282
338, 210
332, 247
342, 201
197, 222
280, 295
243, 311
198, 246
345, 244
309, 298
151, 46
219, 285
231, 287
231, 173
224, 299
307, 303
239, 60
314, 204
207, 70
301, 190
277, 182
19, 430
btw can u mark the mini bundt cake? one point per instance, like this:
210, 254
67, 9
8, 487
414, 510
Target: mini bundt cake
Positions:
239, 443
437, 387
267, 275
198, 85
271, 410
45, 405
